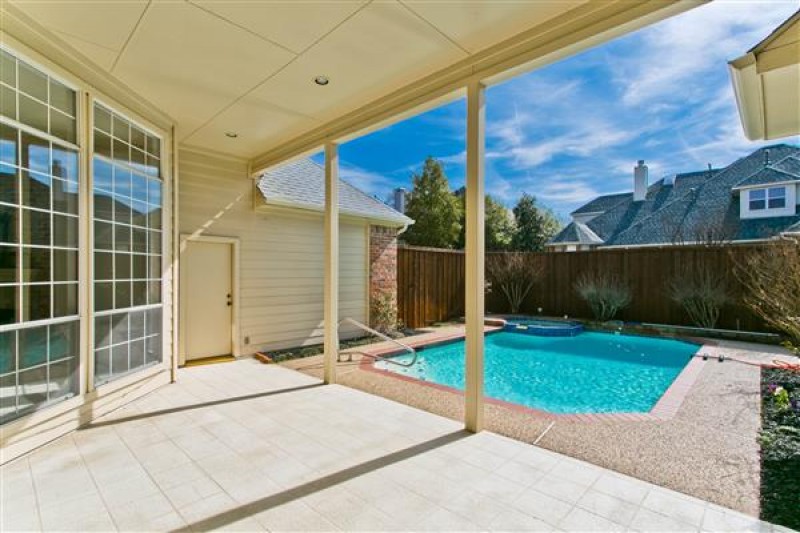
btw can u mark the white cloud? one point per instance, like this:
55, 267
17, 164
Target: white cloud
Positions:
575, 129
372, 183
566, 191
671, 56
454, 159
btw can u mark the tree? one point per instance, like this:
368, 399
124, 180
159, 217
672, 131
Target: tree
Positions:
535, 225
771, 277
435, 210
515, 273
498, 224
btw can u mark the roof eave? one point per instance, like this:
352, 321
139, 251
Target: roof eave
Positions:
377, 220
762, 185
748, 91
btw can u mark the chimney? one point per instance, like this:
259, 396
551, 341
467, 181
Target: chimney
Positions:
639, 181
399, 201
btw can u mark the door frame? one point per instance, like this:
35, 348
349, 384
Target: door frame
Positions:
235, 246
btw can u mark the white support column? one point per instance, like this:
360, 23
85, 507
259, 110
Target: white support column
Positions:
331, 260
475, 199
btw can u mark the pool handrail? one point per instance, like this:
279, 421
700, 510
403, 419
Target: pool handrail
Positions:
385, 337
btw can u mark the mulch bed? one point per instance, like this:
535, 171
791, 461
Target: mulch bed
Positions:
780, 447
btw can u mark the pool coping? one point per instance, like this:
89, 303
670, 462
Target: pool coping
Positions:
665, 408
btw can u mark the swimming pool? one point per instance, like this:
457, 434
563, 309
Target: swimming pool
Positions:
590, 373
547, 328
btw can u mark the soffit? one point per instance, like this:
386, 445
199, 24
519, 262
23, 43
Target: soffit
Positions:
247, 67
781, 104
477, 25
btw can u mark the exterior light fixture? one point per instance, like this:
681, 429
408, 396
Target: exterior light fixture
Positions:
322, 80
231, 134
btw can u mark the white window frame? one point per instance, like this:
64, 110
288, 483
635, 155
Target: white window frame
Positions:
86, 96
767, 193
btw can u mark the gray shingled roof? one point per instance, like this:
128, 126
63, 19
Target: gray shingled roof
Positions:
789, 164
601, 204
695, 202
302, 184
767, 176
576, 233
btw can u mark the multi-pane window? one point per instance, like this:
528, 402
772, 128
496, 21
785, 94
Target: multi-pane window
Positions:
127, 199
39, 194
771, 198
776, 198
758, 199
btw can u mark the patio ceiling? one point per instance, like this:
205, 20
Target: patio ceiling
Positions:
248, 67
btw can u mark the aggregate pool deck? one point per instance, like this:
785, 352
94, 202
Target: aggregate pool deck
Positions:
708, 449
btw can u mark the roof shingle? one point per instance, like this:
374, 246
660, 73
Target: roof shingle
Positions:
301, 183
694, 203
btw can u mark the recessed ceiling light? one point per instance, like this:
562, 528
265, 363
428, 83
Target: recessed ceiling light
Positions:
231, 134
322, 80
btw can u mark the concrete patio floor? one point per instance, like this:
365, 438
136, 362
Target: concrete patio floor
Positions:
245, 446
707, 449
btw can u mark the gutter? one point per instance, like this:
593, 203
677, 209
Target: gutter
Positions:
394, 223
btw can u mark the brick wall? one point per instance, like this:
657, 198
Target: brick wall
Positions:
382, 266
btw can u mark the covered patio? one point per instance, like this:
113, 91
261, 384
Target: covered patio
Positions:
193, 101
243, 446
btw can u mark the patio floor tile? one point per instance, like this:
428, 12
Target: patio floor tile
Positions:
242, 446
542, 506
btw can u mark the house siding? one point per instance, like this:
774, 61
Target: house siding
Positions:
281, 255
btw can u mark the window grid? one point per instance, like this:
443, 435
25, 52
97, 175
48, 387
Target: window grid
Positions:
776, 198
127, 253
766, 199
28, 244
140, 348
39, 239
45, 101
27, 393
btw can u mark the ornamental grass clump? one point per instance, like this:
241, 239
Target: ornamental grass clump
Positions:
606, 293
701, 292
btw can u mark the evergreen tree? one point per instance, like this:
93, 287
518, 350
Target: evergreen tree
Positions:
535, 225
435, 210
498, 224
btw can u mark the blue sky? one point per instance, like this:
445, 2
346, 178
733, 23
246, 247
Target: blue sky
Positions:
575, 129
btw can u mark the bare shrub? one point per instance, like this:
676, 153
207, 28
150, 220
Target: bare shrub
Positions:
605, 292
384, 312
701, 292
708, 234
771, 277
515, 273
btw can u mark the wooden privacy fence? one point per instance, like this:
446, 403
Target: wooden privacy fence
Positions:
430, 284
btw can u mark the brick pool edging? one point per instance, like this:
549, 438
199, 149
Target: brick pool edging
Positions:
665, 408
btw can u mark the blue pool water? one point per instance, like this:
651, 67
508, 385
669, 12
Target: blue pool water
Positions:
590, 373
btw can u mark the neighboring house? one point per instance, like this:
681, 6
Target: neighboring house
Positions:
753, 199
399, 199
278, 226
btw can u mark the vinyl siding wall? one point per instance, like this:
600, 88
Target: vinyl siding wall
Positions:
281, 255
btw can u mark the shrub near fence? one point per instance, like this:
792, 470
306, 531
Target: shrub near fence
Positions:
431, 284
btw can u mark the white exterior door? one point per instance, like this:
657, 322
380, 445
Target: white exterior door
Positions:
207, 298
